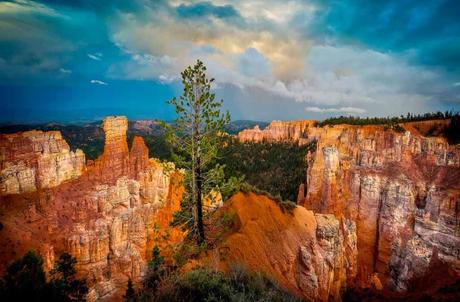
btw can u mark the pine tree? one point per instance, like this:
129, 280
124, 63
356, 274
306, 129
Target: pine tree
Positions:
196, 135
24, 279
65, 285
130, 294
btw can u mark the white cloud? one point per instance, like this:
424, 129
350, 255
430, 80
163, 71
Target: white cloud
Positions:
27, 7
268, 54
66, 71
98, 82
341, 109
96, 56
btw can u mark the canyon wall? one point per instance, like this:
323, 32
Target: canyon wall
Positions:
312, 255
278, 131
108, 213
403, 192
401, 189
35, 159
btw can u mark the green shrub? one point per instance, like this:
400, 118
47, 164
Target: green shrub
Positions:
25, 280
203, 284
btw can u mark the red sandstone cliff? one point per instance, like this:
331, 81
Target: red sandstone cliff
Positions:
278, 131
34, 159
394, 196
403, 192
401, 189
313, 255
106, 214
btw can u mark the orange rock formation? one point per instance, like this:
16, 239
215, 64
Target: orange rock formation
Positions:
313, 255
403, 192
34, 159
104, 214
278, 131
401, 189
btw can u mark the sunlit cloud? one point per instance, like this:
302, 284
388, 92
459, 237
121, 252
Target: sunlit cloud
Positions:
297, 54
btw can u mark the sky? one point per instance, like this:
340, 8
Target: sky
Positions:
80, 60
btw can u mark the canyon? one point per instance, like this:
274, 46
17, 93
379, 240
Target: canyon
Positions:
108, 213
378, 209
400, 188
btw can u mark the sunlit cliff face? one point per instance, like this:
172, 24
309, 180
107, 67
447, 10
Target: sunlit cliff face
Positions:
103, 212
310, 58
401, 190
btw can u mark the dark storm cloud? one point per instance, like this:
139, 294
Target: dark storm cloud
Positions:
295, 58
429, 29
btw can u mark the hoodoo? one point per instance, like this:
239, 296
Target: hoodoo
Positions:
401, 189
35, 159
103, 214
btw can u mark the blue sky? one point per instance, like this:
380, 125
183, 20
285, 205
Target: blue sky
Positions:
81, 60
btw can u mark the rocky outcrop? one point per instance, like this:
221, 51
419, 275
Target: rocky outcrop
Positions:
34, 160
278, 131
108, 214
403, 192
313, 255
401, 189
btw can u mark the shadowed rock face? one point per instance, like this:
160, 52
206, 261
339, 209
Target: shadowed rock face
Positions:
401, 189
106, 214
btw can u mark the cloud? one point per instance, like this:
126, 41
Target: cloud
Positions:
323, 55
98, 82
65, 71
341, 109
96, 56
270, 53
22, 7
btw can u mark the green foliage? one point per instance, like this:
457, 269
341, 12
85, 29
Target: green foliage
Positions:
130, 294
231, 186
25, 280
352, 120
285, 205
277, 168
203, 284
156, 269
157, 260
196, 136
65, 286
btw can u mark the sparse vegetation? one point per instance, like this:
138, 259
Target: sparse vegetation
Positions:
25, 280
204, 284
130, 294
155, 270
354, 120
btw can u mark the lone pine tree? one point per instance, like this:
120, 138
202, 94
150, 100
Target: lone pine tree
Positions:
196, 135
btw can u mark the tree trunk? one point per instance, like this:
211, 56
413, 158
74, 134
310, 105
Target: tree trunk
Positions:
199, 203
